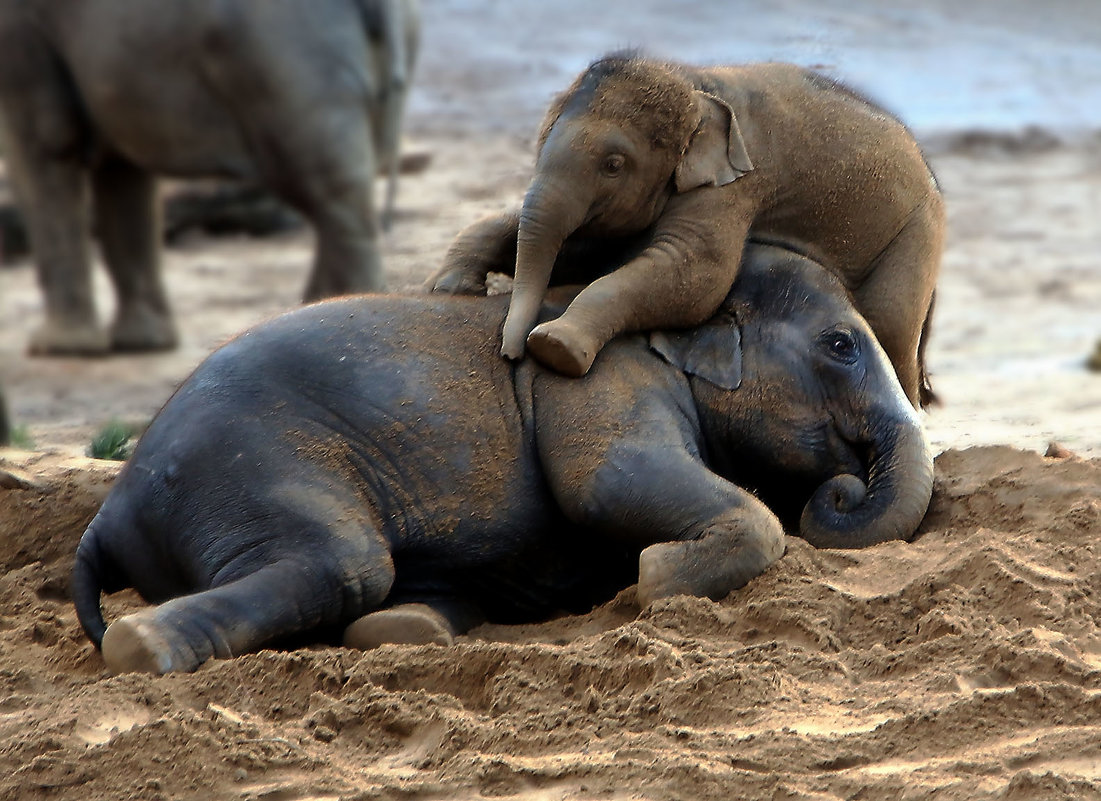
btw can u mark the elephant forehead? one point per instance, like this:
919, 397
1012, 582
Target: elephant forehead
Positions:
653, 101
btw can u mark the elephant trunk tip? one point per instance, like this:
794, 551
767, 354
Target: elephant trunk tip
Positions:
515, 334
846, 512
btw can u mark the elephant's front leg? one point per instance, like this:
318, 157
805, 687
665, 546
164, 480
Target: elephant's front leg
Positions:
678, 281
642, 480
486, 246
710, 537
726, 556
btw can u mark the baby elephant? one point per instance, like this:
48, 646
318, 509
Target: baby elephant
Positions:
682, 164
372, 461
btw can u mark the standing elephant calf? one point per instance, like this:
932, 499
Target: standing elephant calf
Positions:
681, 165
372, 461
301, 97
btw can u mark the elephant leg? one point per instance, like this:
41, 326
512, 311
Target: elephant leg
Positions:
280, 599
127, 222
430, 622
659, 289
305, 111
58, 224
726, 556
45, 136
331, 181
486, 246
347, 260
401, 39
897, 297
635, 480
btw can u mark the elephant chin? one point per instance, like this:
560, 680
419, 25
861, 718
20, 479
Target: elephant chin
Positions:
845, 512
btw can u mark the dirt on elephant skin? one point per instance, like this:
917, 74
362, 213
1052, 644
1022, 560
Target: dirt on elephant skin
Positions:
965, 665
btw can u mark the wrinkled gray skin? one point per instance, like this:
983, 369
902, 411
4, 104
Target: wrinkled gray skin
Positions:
99, 96
371, 463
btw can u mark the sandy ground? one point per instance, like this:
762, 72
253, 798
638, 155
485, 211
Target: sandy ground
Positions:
966, 665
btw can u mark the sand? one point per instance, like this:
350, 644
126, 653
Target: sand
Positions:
965, 665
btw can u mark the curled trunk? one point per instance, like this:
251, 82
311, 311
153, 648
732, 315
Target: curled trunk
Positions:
847, 513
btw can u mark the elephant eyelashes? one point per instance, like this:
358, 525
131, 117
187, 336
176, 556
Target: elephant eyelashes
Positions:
841, 345
614, 164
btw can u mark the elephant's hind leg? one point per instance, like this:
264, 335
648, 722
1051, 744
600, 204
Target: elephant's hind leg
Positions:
283, 598
434, 621
128, 226
896, 299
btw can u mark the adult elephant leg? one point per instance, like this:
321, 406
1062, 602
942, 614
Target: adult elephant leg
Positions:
52, 193
304, 91
329, 177
44, 136
898, 294
285, 597
127, 222
347, 258
58, 223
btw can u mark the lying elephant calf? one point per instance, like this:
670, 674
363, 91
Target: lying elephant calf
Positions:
371, 461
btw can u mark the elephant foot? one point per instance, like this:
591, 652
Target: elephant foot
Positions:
711, 567
563, 347
53, 339
136, 644
455, 282
140, 328
406, 624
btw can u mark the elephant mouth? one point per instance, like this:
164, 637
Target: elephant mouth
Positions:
786, 486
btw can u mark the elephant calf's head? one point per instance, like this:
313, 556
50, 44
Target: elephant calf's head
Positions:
798, 400
613, 149
626, 134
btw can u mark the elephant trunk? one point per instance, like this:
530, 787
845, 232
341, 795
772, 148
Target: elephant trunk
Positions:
551, 212
846, 513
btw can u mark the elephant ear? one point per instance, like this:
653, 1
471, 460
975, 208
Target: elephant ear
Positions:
716, 156
712, 351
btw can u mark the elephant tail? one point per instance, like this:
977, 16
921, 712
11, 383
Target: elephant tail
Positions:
92, 572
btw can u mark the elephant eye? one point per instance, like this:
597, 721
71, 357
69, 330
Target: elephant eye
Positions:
613, 164
841, 345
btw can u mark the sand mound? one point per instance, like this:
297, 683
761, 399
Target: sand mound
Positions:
965, 665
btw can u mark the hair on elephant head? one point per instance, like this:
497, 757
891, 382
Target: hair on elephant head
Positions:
816, 410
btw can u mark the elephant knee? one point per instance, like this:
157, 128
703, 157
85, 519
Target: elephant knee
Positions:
727, 556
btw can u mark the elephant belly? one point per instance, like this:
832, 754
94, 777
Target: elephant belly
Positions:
145, 81
551, 567
175, 128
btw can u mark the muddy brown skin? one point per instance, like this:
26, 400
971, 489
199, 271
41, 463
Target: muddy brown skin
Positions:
697, 160
303, 99
375, 453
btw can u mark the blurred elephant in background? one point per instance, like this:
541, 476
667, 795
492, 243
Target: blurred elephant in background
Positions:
97, 96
